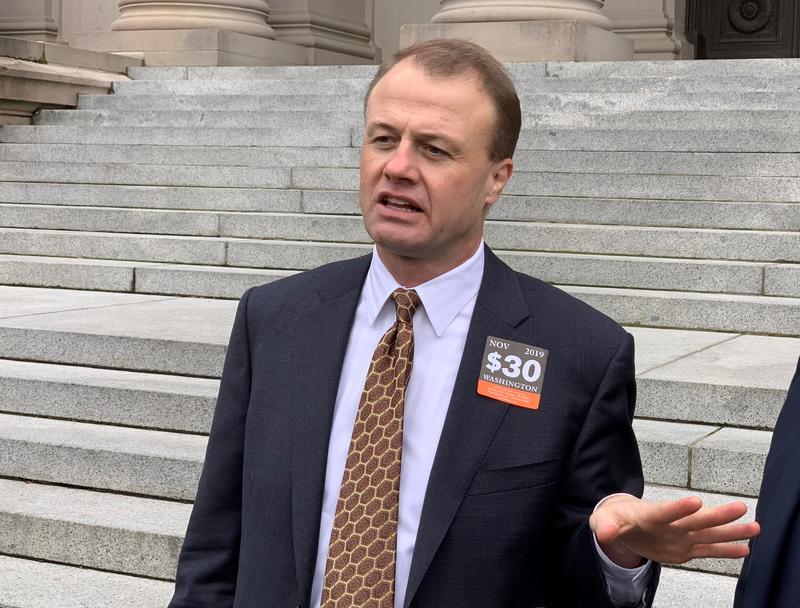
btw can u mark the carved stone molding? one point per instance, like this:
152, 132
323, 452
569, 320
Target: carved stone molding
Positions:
750, 16
472, 11
243, 16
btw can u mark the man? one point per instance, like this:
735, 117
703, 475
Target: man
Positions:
513, 425
770, 576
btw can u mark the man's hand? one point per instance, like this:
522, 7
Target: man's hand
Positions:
629, 529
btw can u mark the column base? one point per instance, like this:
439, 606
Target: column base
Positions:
530, 40
206, 47
647, 24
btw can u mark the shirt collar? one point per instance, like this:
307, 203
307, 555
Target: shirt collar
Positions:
442, 297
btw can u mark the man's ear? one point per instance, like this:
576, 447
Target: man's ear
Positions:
501, 173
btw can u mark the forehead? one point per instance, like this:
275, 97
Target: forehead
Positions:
407, 88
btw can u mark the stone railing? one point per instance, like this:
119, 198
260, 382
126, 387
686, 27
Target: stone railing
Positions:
36, 75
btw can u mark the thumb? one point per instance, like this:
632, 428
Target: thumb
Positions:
604, 527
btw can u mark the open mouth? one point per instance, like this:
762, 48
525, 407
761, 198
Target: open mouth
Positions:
399, 204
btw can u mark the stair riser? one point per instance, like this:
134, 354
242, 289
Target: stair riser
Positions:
661, 187
774, 318
108, 405
112, 115
187, 136
114, 471
115, 352
708, 403
111, 549
532, 103
153, 197
547, 161
643, 87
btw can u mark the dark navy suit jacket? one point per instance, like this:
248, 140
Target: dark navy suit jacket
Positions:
505, 517
770, 576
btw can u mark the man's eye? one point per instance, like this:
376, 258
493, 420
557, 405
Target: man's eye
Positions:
382, 140
434, 151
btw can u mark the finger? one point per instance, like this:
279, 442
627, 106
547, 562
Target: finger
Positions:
714, 516
721, 550
669, 512
726, 534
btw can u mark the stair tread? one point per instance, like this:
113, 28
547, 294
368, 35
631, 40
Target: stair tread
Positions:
34, 584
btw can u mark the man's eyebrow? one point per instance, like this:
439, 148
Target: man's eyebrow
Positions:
380, 125
420, 136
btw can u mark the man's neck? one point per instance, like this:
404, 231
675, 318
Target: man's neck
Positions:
411, 272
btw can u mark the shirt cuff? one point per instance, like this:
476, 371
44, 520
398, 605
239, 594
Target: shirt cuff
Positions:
625, 586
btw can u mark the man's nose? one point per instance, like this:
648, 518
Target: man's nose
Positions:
402, 164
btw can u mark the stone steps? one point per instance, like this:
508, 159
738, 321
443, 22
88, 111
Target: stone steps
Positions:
32, 584
142, 536
733, 164
112, 532
332, 136
158, 334
645, 307
631, 272
526, 82
596, 69
684, 375
599, 185
702, 457
523, 183
689, 589
274, 136
717, 68
766, 120
168, 465
248, 103
556, 209
103, 457
546, 102
240, 246
665, 194
319, 229
106, 396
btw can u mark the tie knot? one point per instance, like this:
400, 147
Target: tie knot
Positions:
407, 301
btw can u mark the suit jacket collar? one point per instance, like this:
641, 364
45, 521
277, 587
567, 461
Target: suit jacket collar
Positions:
321, 335
472, 419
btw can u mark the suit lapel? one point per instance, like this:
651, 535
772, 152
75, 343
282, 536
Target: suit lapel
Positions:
321, 339
472, 420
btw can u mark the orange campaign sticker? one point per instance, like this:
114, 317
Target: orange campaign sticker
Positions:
512, 372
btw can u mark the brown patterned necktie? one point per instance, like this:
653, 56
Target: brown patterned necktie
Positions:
360, 568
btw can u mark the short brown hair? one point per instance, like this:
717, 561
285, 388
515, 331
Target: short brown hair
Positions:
445, 58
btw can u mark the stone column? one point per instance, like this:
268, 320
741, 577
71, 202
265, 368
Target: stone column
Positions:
238, 32
32, 19
527, 30
243, 16
334, 31
195, 32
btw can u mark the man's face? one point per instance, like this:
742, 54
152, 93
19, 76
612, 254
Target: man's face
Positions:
426, 177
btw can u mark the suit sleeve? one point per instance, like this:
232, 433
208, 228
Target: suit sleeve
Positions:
605, 460
208, 563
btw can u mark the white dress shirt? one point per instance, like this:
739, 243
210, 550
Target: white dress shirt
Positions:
440, 332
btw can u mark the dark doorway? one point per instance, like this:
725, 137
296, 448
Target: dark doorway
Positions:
735, 29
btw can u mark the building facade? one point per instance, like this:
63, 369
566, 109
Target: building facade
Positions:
337, 31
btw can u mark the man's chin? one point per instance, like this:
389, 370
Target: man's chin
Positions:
399, 249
